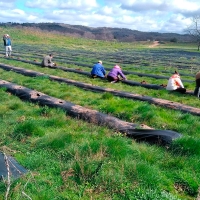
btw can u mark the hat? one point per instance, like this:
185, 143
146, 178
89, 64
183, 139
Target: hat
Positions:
117, 66
100, 61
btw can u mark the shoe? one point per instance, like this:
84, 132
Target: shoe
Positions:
113, 81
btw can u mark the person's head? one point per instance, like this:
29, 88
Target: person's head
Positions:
117, 67
51, 55
100, 62
176, 73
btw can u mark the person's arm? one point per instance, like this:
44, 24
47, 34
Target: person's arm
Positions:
4, 41
179, 83
122, 75
49, 60
103, 70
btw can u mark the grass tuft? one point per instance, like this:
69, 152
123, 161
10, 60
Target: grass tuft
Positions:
187, 146
27, 128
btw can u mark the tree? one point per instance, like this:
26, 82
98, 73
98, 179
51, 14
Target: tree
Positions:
173, 40
194, 29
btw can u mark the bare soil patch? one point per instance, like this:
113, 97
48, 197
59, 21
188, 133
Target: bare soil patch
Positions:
155, 43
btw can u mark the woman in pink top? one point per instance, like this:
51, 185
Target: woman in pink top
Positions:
115, 74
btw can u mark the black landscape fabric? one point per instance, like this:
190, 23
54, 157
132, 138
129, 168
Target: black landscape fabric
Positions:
162, 137
92, 116
16, 170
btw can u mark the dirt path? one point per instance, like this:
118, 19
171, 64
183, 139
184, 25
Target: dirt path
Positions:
155, 43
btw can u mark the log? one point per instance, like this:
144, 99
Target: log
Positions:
138, 132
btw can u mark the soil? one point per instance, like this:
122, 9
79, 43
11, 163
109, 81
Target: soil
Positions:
155, 43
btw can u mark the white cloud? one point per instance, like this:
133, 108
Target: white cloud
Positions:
186, 5
6, 5
142, 15
80, 4
41, 4
108, 10
71, 17
145, 5
62, 4
13, 14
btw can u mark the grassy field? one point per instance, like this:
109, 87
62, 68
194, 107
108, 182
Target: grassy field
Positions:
68, 158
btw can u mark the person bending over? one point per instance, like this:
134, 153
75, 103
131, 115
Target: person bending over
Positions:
98, 70
115, 74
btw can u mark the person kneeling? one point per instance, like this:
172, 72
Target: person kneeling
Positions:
115, 74
98, 70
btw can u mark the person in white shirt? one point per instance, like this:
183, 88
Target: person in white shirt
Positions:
175, 83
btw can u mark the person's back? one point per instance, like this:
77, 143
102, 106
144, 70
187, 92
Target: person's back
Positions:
98, 70
175, 83
114, 74
46, 62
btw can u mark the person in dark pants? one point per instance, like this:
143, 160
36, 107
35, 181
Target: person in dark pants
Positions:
175, 83
197, 87
98, 70
115, 74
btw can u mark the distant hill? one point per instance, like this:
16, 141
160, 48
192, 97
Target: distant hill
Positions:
103, 33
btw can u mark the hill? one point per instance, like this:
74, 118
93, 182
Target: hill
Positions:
70, 155
102, 33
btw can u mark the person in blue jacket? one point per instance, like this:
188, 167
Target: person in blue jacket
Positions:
7, 44
98, 70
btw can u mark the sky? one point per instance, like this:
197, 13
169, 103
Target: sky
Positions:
164, 16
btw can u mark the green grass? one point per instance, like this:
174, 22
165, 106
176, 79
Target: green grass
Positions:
185, 99
71, 159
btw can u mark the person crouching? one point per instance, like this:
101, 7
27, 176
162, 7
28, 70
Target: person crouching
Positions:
47, 61
115, 74
98, 70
